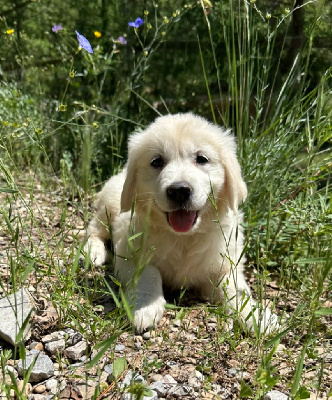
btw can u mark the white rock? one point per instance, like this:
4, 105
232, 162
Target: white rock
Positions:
159, 387
154, 396
55, 347
179, 391
52, 337
275, 395
42, 369
52, 385
131, 377
14, 310
120, 347
169, 380
77, 351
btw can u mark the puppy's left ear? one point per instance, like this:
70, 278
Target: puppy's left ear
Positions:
234, 191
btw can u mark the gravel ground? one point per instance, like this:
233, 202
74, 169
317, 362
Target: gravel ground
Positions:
192, 355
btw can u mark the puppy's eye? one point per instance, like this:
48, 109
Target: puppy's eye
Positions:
157, 162
201, 160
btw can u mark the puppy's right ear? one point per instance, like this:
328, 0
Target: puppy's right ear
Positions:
129, 187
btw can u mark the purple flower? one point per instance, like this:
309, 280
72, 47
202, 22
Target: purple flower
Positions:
121, 40
57, 28
84, 43
138, 22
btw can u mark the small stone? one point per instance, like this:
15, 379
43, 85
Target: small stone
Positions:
54, 336
55, 347
40, 397
39, 389
77, 337
156, 378
169, 380
25, 389
131, 377
108, 368
179, 391
153, 396
177, 322
159, 387
146, 335
52, 385
14, 310
77, 351
275, 395
43, 368
120, 347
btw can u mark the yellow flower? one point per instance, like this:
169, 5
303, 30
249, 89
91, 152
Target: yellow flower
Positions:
10, 31
97, 34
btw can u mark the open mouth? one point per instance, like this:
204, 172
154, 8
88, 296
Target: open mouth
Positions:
182, 220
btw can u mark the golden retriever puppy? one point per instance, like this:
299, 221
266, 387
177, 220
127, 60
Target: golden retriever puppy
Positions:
177, 202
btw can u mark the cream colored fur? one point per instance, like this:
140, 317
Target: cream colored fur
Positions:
208, 256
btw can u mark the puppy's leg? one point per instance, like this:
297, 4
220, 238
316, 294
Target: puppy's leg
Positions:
146, 296
97, 233
234, 290
108, 208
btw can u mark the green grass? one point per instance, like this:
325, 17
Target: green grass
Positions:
52, 163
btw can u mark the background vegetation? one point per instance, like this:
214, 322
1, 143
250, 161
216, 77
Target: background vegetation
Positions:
261, 68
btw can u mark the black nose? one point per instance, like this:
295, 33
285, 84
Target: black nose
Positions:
179, 192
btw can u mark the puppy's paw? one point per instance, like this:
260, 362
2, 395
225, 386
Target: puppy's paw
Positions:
266, 321
96, 249
148, 316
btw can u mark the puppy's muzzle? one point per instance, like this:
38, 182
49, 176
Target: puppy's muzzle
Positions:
179, 193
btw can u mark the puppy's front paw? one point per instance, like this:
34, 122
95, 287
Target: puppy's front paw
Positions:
266, 320
148, 316
96, 249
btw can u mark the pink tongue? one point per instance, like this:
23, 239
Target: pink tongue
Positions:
181, 220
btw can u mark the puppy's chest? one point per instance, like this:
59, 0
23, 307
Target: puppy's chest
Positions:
184, 261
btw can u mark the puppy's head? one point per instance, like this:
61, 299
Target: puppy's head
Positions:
177, 166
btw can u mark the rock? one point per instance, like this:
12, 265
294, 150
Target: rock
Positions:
129, 396
153, 396
8, 379
43, 368
146, 335
275, 395
54, 336
159, 387
131, 377
179, 391
108, 368
77, 351
55, 347
169, 380
40, 397
74, 339
156, 378
52, 385
238, 374
39, 389
24, 389
14, 310
86, 389
120, 347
